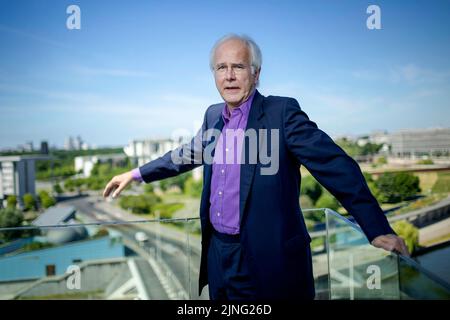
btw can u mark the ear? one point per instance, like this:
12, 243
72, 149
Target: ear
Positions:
256, 74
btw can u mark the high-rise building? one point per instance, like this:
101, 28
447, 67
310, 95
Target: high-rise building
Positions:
17, 175
44, 147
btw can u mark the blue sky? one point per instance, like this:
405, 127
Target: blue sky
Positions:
139, 69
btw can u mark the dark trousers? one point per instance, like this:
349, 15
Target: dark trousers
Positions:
228, 272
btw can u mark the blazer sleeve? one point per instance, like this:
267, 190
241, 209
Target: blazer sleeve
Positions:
184, 158
333, 169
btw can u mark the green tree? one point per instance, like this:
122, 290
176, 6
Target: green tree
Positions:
193, 188
11, 202
370, 149
29, 202
373, 186
311, 188
139, 204
177, 181
408, 232
382, 160
148, 188
327, 200
351, 148
57, 188
396, 187
45, 199
10, 218
69, 185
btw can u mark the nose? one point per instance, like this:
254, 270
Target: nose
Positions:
230, 75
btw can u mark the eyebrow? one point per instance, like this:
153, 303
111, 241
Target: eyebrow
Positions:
233, 65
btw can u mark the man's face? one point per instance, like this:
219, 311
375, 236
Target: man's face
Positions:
233, 73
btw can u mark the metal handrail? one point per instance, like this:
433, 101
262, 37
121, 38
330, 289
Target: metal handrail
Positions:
409, 261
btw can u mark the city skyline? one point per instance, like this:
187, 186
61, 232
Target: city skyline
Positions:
141, 71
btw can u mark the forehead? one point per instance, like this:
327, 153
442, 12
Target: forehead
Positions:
233, 50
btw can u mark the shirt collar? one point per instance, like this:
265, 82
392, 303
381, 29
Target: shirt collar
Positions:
244, 108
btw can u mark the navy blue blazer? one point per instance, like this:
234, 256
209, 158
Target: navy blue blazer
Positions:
273, 232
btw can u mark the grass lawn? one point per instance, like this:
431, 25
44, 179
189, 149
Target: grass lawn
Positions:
427, 180
443, 183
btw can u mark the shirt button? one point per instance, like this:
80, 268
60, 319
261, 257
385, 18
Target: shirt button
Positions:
226, 149
220, 193
218, 214
223, 171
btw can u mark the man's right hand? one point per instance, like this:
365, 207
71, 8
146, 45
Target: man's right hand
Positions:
117, 184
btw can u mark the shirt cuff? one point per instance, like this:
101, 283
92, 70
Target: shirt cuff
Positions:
136, 174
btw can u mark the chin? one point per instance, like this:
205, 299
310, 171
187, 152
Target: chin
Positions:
232, 98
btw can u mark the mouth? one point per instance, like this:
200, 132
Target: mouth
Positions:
232, 89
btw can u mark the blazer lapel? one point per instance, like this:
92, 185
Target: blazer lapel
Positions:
207, 170
248, 169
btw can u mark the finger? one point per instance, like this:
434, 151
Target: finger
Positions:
405, 250
119, 189
109, 187
400, 247
384, 243
387, 244
107, 190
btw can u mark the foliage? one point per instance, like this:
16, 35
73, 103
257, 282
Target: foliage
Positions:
425, 161
148, 188
11, 202
178, 181
396, 187
46, 199
166, 210
327, 200
373, 186
102, 232
139, 204
57, 188
311, 188
62, 164
382, 160
353, 149
408, 232
29, 203
193, 188
10, 218
101, 174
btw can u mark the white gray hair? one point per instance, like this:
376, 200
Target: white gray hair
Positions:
255, 52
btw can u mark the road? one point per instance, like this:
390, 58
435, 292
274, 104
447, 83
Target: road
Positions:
168, 266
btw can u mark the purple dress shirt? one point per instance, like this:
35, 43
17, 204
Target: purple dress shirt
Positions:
226, 170
136, 174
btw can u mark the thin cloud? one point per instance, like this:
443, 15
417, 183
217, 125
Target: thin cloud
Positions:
32, 36
112, 72
78, 97
413, 74
408, 74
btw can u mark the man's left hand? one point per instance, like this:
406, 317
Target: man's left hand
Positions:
391, 242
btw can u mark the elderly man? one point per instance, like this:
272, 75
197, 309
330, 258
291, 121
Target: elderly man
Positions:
254, 241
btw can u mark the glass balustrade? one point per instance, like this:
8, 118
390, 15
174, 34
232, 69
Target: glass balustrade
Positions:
100, 256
